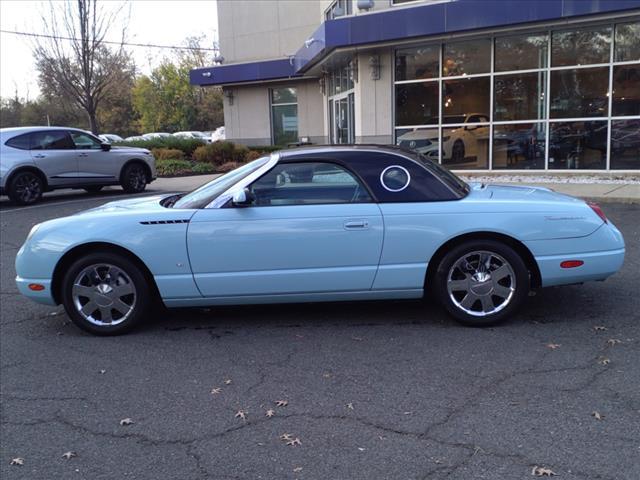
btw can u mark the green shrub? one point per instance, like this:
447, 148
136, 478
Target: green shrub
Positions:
200, 168
187, 145
167, 153
253, 155
218, 153
265, 148
166, 168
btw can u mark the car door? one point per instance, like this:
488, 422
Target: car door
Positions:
313, 228
95, 165
54, 153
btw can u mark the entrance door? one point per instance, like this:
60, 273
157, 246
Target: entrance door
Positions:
342, 119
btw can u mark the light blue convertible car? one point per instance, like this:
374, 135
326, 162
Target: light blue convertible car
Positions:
319, 224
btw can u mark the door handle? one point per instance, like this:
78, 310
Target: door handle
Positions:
39, 156
356, 225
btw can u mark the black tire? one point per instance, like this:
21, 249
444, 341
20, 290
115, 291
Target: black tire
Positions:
134, 178
479, 288
93, 188
25, 188
457, 152
139, 301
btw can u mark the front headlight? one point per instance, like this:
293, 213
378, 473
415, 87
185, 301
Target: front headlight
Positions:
34, 229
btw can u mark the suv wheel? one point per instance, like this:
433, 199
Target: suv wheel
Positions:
25, 188
134, 178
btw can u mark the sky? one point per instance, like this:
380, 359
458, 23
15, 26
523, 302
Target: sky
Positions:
165, 22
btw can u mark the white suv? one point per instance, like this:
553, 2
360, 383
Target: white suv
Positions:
38, 159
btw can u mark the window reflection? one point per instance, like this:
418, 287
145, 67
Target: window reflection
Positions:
578, 145
422, 140
581, 46
466, 147
579, 93
626, 90
466, 58
520, 96
521, 52
464, 97
627, 45
519, 146
625, 144
417, 103
418, 63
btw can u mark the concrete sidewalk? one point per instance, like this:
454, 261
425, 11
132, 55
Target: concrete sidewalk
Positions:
601, 192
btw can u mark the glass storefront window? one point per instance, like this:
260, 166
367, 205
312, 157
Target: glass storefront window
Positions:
519, 97
625, 144
578, 145
626, 90
417, 103
466, 147
465, 96
466, 58
284, 115
627, 42
520, 146
418, 63
521, 52
581, 46
422, 140
579, 93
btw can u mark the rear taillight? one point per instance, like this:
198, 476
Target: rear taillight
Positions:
596, 208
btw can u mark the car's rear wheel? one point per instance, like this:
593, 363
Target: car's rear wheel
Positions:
134, 178
93, 189
25, 188
482, 282
105, 294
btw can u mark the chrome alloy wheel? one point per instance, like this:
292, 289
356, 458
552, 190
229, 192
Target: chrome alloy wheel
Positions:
104, 294
481, 283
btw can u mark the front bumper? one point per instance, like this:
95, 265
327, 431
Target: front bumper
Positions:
43, 296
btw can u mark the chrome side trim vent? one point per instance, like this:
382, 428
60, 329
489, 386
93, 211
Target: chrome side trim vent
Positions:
164, 222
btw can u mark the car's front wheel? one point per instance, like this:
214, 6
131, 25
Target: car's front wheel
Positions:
105, 294
134, 178
482, 282
25, 188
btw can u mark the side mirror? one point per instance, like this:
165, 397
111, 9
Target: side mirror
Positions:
105, 146
243, 198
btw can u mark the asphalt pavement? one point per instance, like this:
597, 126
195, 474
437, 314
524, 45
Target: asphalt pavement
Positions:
376, 390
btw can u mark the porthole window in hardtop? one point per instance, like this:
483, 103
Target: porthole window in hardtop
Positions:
395, 178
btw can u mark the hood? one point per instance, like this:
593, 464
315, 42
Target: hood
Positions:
125, 149
131, 204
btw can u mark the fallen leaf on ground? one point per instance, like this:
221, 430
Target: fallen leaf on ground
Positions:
357, 339
599, 328
17, 461
126, 421
270, 413
216, 390
241, 414
350, 406
542, 472
294, 442
282, 403
613, 341
604, 361
597, 415
102, 372
361, 449
297, 469
553, 346
326, 375
69, 455
227, 381
285, 437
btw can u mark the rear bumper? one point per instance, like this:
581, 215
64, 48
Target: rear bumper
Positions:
44, 296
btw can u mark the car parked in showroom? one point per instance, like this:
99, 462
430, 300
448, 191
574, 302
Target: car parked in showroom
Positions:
319, 224
38, 159
194, 135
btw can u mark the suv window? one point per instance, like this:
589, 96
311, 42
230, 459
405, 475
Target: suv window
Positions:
23, 142
308, 183
51, 140
84, 141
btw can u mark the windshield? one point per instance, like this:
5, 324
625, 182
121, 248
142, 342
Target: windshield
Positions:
203, 196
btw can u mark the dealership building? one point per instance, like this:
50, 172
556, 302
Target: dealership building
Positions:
478, 85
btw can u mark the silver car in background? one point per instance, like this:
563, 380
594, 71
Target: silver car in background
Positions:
34, 160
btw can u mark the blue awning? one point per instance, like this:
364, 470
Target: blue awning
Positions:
422, 20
